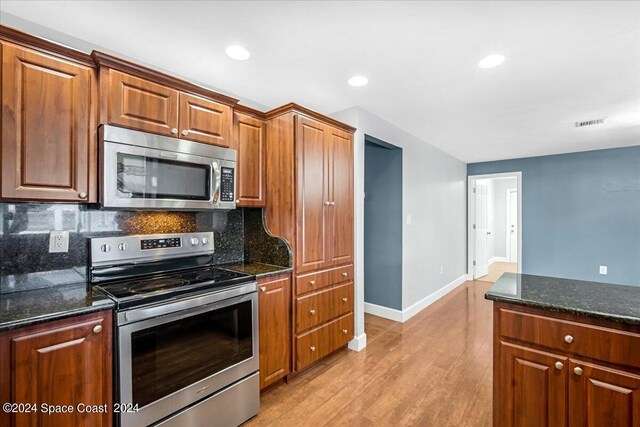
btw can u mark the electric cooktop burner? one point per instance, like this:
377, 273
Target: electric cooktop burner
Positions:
145, 290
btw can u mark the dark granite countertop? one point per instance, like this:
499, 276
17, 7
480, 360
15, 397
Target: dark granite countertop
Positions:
257, 269
617, 303
25, 308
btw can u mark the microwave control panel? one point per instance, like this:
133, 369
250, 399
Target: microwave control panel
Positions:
227, 185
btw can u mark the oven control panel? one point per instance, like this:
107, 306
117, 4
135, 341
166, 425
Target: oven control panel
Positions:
171, 242
127, 249
227, 185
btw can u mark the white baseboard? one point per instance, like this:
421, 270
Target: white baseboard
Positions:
412, 310
498, 259
358, 343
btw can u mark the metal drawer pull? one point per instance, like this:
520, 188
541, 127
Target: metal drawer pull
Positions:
312, 311
344, 331
559, 366
345, 299
345, 274
577, 370
312, 348
97, 329
312, 282
568, 338
263, 288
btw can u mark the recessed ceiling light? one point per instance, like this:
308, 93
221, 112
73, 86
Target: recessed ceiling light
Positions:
491, 61
358, 81
238, 53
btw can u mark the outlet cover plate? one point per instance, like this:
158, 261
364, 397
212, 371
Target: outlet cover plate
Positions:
58, 241
603, 269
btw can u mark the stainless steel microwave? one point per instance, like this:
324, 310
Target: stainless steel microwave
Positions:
139, 170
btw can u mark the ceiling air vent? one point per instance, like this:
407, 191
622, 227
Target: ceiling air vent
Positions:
591, 122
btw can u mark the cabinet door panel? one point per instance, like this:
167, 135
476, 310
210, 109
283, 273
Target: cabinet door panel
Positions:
531, 390
312, 251
340, 237
48, 127
203, 120
274, 299
603, 397
250, 142
65, 363
140, 104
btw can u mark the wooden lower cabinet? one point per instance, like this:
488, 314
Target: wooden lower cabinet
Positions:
61, 363
274, 306
324, 340
550, 371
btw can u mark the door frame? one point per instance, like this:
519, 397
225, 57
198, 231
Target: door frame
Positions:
471, 215
508, 229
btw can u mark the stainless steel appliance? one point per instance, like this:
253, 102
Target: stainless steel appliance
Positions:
140, 170
187, 331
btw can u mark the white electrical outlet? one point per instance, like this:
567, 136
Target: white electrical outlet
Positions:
409, 220
441, 269
59, 241
603, 269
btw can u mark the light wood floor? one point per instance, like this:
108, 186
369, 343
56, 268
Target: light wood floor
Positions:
496, 269
433, 370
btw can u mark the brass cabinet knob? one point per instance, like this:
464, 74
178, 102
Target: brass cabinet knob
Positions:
344, 331
174, 131
263, 288
578, 370
327, 203
568, 338
345, 299
345, 274
312, 348
559, 366
332, 203
82, 195
97, 329
312, 311
312, 282
185, 132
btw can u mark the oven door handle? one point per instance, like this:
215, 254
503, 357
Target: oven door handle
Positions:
151, 316
215, 183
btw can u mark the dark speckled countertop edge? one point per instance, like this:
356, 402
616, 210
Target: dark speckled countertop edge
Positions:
48, 317
568, 310
260, 270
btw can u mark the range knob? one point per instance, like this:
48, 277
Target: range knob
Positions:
122, 246
194, 241
205, 241
105, 248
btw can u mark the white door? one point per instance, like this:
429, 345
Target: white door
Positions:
482, 252
512, 226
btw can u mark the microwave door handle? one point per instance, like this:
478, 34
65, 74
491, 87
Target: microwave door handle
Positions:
215, 184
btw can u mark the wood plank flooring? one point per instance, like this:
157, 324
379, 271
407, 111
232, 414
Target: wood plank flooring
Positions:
433, 370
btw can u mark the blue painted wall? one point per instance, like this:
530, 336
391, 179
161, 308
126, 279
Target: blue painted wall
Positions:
383, 225
579, 211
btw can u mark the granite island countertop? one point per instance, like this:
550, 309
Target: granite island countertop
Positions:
257, 269
616, 303
24, 308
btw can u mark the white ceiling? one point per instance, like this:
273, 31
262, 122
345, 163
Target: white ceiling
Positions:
566, 61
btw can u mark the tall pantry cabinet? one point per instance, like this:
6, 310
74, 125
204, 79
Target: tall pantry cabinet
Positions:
309, 184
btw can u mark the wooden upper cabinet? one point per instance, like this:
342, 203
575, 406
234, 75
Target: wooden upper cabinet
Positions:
250, 137
48, 127
203, 120
63, 362
274, 301
312, 252
140, 104
341, 196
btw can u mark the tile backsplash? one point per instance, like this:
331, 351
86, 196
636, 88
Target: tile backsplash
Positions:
25, 261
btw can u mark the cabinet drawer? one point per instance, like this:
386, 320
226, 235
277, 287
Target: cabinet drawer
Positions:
324, 340
596, 342
341, 275
323, 306
311, 282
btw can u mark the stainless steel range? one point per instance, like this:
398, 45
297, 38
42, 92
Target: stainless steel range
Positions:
187, 331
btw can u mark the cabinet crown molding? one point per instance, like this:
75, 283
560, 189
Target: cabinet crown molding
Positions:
292, 107
109, 61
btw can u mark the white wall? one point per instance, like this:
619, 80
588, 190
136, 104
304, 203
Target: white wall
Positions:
434, 195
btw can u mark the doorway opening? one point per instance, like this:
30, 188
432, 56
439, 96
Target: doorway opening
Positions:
495, 229
382, 228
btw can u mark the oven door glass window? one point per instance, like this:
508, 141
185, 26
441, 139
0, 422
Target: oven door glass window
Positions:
143, 177
171, 356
